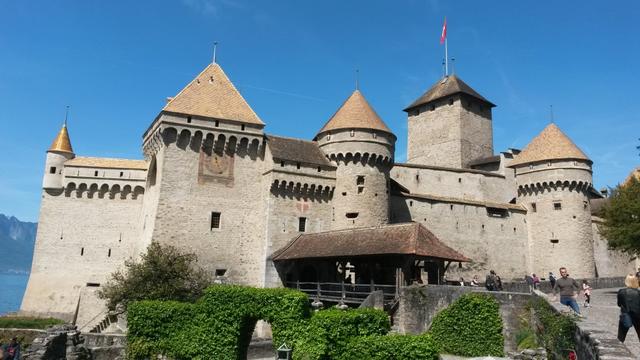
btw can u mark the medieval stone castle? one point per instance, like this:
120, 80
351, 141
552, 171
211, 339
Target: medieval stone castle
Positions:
214, 183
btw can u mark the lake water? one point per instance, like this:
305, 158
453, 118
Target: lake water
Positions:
12, 288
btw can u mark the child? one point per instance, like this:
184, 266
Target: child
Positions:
587, 293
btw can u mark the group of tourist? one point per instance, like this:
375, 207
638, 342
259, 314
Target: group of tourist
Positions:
10, 351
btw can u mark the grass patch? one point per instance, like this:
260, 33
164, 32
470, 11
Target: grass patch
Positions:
23, 322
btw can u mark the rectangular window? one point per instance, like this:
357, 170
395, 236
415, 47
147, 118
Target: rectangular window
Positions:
215, 220
360, 180
557, 206
121, 173
302, 224
95, 173
52, 170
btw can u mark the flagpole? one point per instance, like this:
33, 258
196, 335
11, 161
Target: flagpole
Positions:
446, 58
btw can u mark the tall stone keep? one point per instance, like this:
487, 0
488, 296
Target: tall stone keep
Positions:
59, 152
554, 182
205, 178
449, 125
361, 145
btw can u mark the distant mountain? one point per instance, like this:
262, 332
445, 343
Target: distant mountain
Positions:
16, 244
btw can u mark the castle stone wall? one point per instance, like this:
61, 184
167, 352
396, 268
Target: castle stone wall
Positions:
492, 242
207, 173
458, 183
449, 132
609, 263
80, 240
559, 216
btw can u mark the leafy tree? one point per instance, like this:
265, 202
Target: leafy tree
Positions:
162, 273
622, 217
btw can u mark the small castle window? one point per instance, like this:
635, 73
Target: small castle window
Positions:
90, 284
189, 119
549, 163
319, 169
554, 241
514, 230
352, 133
433, 107
344, 193
281, 163
221, 272
496, 212
302, 224
585, 204
297, 165
531, 167
329, 136
451, 101
81, 251
95, 173
360, 180
375, 135
534, 208
482, 226
557, 205
360, 189
215, 220
52, 170
417, 177
451, 207
121, 173
217, 124
459, 180
242, 127
109, 253
410, 202
352, 215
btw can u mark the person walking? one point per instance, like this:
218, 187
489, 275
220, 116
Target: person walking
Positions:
586, 289
529, 280
552, 280
568, 288
629, 303
490, 282
536, 281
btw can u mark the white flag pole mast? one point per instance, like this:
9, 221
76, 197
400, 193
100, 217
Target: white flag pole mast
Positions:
446, 57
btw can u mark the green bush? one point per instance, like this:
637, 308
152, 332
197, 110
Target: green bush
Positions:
390, 347
22, 322
471, 326
556, 331
329, 331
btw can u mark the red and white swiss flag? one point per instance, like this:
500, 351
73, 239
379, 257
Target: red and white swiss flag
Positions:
444, 31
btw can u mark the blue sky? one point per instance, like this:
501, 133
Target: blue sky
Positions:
115, 62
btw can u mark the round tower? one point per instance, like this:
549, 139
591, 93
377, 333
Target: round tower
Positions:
554, 182
59, 152
359, 143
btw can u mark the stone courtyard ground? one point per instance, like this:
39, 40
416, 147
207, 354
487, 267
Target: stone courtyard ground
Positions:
603, 315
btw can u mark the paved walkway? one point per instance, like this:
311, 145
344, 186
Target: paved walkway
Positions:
603, 315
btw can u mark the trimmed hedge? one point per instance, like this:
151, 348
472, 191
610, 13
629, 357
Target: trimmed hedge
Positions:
329, 332
220, 324
471, 326
390, 347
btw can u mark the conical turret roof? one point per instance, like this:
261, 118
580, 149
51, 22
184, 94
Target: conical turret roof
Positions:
446, 86
355, 113
62, 143
211, 94
550, 144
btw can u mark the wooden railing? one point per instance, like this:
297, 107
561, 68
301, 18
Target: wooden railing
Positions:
345, 292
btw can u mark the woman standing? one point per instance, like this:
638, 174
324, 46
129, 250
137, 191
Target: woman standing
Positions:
629, 303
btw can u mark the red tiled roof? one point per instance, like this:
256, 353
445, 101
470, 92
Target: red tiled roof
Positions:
396, 239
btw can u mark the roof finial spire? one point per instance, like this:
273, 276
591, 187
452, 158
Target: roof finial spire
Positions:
551, 113
66, 115
357, 79
215, 46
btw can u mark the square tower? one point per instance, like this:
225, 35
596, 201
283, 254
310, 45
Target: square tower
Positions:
449, 125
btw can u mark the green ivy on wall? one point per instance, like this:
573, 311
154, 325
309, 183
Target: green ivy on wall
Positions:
471, 326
